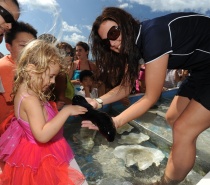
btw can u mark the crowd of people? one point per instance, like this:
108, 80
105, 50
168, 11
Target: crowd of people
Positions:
40, 76
173, 79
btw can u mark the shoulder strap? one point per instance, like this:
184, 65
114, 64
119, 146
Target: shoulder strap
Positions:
78, 65
22, 97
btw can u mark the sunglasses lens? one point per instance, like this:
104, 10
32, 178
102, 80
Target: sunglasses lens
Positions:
113, 33
6, 15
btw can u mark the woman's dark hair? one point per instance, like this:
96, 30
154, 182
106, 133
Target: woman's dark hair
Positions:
121, 67
83, 45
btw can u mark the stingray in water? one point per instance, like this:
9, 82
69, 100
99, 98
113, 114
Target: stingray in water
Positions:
101, 119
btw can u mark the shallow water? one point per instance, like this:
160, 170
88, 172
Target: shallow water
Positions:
100, 166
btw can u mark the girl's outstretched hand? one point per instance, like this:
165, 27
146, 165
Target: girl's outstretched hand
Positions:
76, 110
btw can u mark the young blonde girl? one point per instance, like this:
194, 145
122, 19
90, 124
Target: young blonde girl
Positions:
33, 147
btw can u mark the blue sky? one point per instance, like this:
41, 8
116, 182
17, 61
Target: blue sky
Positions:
71, 20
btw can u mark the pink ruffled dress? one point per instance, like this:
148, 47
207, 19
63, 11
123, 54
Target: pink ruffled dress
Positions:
28, 162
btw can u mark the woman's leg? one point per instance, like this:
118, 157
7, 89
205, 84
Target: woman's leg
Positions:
194, 119
177, 106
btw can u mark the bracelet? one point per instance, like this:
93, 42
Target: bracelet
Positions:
99, 102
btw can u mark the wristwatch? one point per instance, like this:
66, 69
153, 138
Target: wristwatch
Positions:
100, 103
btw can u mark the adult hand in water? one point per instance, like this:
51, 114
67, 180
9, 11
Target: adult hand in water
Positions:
101, 119
89, 124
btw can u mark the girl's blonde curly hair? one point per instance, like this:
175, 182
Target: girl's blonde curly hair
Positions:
41, 54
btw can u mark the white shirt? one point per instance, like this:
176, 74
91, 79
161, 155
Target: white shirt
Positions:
93, 93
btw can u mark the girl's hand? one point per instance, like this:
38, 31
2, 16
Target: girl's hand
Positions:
76, 110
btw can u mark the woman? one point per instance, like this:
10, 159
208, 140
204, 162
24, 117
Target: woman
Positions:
179, 40
82, 52
9, 13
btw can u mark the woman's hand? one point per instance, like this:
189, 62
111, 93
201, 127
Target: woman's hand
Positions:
116, 122
92, 102
89, 124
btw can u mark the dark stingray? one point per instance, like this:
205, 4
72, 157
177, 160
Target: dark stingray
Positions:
101, 119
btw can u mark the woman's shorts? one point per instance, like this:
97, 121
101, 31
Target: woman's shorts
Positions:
197, 87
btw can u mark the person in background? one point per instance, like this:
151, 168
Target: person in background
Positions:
170, 80
181, 75
40, 154
140, 82
173, 41
9, 13
82, 63
64, 89
48, 38
1, 39
87, 81
16, 39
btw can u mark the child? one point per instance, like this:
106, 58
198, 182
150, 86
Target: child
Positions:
81, 63
15, 39
86, 78
33, 147
87, 81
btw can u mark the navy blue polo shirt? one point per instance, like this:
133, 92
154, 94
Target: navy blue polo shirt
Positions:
184, 36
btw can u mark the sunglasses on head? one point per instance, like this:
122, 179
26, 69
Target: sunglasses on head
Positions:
113, 34
6, 15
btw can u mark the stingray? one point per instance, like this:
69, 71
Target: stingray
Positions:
101, 119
